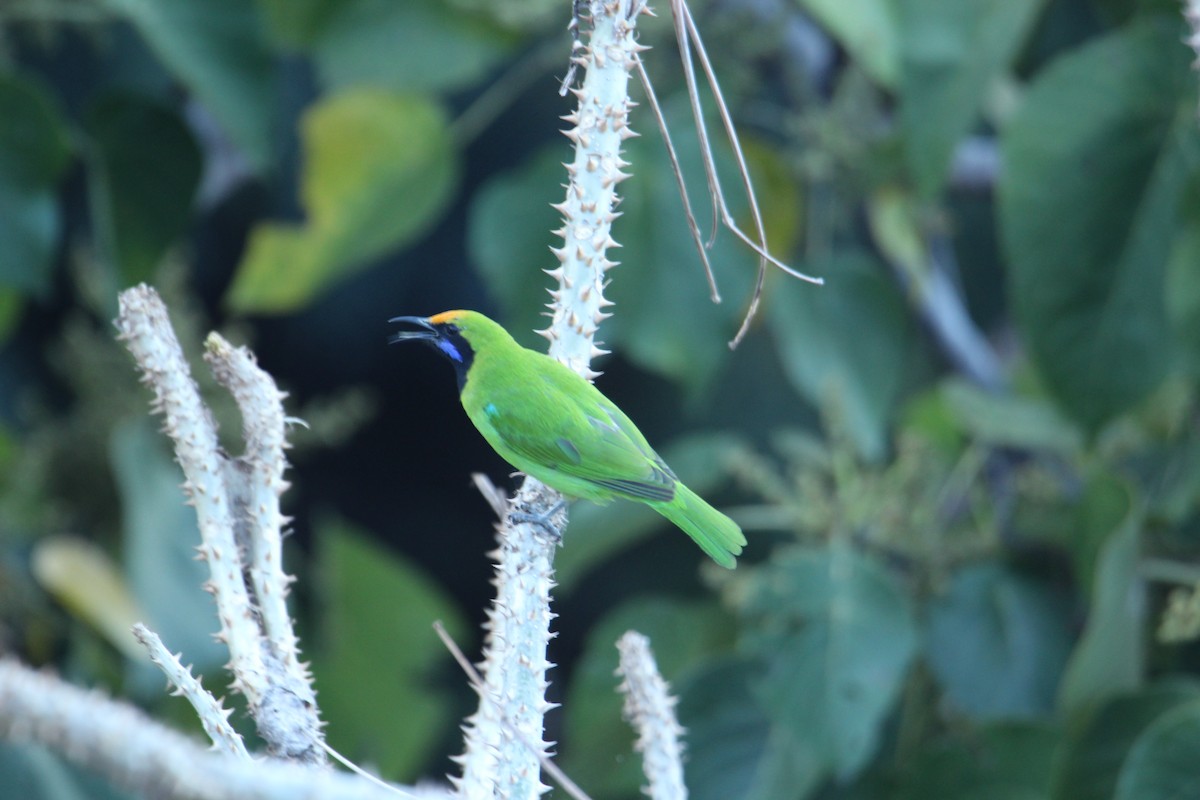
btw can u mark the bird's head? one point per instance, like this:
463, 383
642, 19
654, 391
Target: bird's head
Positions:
458, 335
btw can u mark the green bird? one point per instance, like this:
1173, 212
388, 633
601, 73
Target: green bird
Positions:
548, 422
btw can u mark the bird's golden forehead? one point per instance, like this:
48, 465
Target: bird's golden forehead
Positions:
445, 316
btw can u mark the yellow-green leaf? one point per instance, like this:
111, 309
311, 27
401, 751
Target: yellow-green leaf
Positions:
379, 170
89, 584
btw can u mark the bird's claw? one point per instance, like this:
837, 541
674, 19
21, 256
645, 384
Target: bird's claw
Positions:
545, 520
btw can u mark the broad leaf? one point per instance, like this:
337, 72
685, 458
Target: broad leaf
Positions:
32, 772
1004, 761
411, 46
145, 173
34, 150
728, 735
10, 311
868, 29
86, 581
1010, 420
295, 23
381, 668
1183, 294
1162, 763
836, 636
1108, 657
845, 345
998, 643
218, 48
950, 54
379, 170
1098, 746
1095, 161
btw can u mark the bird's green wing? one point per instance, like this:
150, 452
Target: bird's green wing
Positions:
554, 420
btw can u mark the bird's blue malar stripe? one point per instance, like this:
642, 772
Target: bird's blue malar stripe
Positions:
491, 410
447, 347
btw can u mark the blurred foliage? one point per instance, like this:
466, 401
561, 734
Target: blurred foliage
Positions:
969, 464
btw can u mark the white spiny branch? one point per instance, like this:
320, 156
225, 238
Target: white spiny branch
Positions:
152, 760
495, 762
146, 331
569, 786
264, 432
650, 708
213, 716
512, 697
599, 127
258, 476
236, 504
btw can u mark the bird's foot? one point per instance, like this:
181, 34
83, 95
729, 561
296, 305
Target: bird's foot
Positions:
545, 520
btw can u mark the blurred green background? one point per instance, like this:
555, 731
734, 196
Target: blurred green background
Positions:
968, 466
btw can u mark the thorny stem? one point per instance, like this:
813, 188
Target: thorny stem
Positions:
214, 717
561, 778
146, 757
650, 708
497, 763
236, 504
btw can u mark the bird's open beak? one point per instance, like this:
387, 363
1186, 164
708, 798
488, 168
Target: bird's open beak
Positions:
428, 331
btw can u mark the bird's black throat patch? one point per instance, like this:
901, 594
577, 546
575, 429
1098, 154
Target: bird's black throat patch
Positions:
451, 343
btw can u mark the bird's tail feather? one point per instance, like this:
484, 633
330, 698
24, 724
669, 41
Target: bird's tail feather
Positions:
717, 534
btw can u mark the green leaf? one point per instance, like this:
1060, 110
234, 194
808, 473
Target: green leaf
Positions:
296, 23
597, 532
34, 145
868, 29
1093, 754
997, 643
950, 55
845, 345
1009, 420
34, 151
412, 46
728, 735
144, 176
159, 540
836, 636
1108, 657
1162, 763
1182, 294
32, 772
1096, 158
1004, 761
219, 49
10, 312
379, 670
596, 737
380, 169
